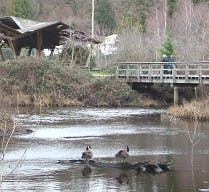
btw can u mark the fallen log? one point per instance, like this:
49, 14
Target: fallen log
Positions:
145, 167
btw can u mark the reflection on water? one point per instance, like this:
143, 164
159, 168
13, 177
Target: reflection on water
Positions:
86, 171
62, 134
123, 178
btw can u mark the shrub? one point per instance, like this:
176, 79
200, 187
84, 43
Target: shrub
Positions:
51, 82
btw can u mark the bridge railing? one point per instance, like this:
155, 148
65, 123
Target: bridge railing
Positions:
165, 72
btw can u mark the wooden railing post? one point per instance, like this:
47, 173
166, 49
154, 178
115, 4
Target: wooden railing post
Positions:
138, 71
149, 72
200, 73
117, 71
174, 71
127, 72
161, 72
186, 72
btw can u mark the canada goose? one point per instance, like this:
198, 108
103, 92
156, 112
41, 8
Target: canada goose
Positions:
124, 153
87, 154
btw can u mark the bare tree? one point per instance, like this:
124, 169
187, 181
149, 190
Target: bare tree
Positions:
190, 31
7, 131
6, 137
135, 45
165, 17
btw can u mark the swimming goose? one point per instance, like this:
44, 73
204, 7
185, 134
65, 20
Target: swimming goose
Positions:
124, 153
87, 154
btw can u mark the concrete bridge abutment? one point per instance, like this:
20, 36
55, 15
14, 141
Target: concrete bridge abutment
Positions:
178, 93
175, 95
176, 90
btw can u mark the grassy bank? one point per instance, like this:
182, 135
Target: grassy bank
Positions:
33, 82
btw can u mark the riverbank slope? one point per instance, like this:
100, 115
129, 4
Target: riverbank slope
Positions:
51, 82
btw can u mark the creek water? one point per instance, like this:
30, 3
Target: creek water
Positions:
30, 163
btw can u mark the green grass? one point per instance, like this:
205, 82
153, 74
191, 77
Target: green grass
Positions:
101, 73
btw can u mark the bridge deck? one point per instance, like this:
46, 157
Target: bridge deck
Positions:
164, 72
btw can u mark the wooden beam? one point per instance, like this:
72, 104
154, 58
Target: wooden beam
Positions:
6, 29
11, 45
19, 36
39, 42
1, 54
5, 37
27, 33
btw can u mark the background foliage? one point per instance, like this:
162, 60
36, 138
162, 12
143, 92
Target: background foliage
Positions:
104, 17
142, 25
21, 8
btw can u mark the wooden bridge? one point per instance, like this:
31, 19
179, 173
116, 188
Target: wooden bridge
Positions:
195, 73
177, 74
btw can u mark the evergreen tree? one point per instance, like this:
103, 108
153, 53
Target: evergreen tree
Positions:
172, 7
21, 8
167, 47
104, 16
134, 13
199, 1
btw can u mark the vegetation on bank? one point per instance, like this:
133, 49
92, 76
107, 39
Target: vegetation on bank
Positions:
8, 128
195, 110
6, 124
35, 82
51, 82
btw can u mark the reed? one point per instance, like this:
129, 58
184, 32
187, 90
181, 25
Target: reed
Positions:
197, 110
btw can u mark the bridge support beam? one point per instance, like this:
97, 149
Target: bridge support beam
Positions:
176, 96
195, 89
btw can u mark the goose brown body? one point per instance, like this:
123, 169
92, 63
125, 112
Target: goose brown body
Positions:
88, 154
123, 154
